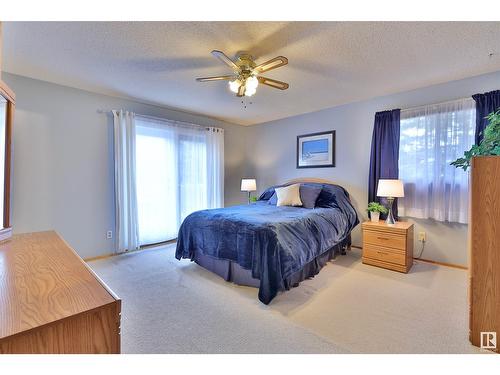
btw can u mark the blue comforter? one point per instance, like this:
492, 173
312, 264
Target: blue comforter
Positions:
273, 242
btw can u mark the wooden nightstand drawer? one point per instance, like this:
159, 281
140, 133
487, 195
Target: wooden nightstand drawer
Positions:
384, 254
388, 246
379, 238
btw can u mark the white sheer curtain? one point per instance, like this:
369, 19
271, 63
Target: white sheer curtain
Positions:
431, 137
180, 169
127, 231
215, 167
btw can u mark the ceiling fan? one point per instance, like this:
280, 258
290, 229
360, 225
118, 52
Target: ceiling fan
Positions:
246, 73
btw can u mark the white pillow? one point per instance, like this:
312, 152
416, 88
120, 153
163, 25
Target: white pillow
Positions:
288, 195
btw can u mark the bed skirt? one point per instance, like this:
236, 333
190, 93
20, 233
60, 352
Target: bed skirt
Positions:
233, 272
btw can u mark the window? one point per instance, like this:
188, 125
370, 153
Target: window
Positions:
431, 137
174, 167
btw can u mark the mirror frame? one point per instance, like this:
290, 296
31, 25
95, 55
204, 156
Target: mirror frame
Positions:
8, 94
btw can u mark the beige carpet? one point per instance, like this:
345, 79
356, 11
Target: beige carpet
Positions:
178, 307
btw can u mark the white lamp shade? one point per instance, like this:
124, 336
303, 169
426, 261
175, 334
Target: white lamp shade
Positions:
248, 184
390, 188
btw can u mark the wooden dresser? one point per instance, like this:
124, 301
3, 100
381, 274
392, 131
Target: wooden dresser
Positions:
388, 246
51, 301
484, 252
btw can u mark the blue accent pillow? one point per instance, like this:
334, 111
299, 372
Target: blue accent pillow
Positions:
267, 194
328, 196
273, 199
308, 195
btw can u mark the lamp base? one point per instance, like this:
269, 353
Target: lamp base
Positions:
390, 217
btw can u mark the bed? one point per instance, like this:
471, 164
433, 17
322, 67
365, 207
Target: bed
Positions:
266, 246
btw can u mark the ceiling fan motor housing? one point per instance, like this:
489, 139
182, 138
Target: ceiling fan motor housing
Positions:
245, 61
246, 64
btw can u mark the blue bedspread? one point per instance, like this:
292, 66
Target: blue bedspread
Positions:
273, 242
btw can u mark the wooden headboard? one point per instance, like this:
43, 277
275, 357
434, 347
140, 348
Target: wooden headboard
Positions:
308, 179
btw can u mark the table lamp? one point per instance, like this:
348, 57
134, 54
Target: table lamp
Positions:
390, 189
248, 185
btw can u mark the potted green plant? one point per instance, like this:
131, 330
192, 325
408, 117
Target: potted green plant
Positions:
490, 145
375, 208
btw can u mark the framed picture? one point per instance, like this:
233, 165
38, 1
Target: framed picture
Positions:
316, 150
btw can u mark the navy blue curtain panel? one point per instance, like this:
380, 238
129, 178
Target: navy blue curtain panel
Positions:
385, 152
485, 104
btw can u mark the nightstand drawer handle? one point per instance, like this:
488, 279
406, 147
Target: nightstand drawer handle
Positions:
382, 252
383, 238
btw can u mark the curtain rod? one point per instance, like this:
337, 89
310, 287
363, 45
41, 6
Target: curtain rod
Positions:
440, 103
181, 123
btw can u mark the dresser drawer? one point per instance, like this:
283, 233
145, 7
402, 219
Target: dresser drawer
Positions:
384, 254
396, 241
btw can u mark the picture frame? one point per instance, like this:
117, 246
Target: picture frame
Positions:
316, 150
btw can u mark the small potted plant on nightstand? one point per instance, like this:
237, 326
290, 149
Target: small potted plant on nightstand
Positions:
375, 209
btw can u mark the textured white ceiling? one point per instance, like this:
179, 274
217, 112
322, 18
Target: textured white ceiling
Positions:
330, 63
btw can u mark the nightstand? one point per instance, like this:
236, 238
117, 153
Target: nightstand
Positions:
388, 246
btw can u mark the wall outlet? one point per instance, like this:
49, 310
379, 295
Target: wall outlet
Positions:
109, 234
422, 236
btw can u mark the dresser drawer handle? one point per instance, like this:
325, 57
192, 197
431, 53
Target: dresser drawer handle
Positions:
382, 252
382, 238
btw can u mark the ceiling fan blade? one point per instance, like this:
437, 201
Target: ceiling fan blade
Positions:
241, 91
273, 83
216, 78
271, 64
226, 60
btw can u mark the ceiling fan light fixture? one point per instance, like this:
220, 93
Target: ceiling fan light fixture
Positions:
249, 91
252, 82
234, 85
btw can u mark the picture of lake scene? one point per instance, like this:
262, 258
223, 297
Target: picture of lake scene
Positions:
316, 150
